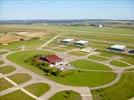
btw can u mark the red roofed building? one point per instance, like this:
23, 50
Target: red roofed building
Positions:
52, 59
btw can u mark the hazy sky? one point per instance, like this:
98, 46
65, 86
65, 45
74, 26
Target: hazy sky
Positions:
66, 9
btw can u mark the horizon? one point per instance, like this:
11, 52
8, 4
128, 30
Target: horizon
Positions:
67, 10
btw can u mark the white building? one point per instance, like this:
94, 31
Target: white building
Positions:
100, 26
82, 43
67, 41
117, 47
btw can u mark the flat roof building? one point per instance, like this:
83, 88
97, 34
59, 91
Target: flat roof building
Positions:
117, 47
82, 43
67, 41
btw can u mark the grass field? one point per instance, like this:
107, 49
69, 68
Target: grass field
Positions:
100, 38
4, 84
86, 64
19, 58
94, 34
99, 45
66, 95
1, 62
99, 58
77, 53
122, 90
29, 43
16, 95
89, 78
118, 63
6, 69
20, 78
107, 54
37, 88
86, 78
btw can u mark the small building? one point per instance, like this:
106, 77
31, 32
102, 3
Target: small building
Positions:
121, 48
81, 43
67, 41
100, 26
52, 59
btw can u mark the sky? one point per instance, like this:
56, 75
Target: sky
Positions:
66, 9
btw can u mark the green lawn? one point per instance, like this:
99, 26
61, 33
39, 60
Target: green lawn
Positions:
118, 63
86, 78
19, 58
107, 54
16, 95
99, 58
20, 78
37, 89
78, 53
122, 90
4, 84
89, 78
1, 62
66, 95
6, 69
86, 64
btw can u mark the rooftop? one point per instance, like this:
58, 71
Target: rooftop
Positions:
68, 40
118, 46
53, 58
81, 42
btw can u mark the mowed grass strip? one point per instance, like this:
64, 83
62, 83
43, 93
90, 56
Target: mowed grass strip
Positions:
86, 78
99, 58
20, 77
90, 65
7, 69
4, 84
37, 89
1, 62
78, 53
16, 95
66, 95
118, 63
122, 90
